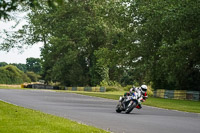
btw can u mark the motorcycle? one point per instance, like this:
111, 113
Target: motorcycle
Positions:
127, 104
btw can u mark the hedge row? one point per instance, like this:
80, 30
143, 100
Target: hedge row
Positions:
10, 74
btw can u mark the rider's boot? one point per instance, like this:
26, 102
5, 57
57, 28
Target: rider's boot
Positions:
139, 106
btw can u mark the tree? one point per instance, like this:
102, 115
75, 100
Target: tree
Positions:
125, 41
7, 7
33, 76
69, 52
168, 42
3, 64
20, 66
33, 64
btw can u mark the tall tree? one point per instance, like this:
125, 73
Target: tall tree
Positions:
8, 6
74, 36
168, 42
33, 65
86, 42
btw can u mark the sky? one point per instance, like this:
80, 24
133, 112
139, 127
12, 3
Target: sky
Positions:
15, 55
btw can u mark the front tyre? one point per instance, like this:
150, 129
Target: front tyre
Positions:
130, 107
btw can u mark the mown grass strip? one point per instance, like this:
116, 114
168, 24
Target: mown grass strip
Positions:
14, 119
181, 105
10, 87
173, 104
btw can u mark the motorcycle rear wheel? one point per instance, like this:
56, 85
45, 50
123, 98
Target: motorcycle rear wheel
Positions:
118, 110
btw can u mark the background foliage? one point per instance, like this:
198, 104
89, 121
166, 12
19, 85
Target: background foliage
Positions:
12, 75
17, 73
92, 42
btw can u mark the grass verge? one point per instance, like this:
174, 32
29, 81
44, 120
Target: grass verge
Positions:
181, 105
14, 119
4, 86
173, 104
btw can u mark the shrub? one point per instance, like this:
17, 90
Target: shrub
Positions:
150, 91
127, 88
10, 74
112, 88
33, 76
111, 85
26, 78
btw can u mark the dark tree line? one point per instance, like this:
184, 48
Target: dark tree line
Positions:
89, 42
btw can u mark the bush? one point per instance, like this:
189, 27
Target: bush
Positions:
112, 88
127, 88
150, 91
111, 85
26, 78
33, 76
10, 74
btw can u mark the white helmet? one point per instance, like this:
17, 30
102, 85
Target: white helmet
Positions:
144, 88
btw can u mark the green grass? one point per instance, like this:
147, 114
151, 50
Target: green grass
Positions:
10, 87
181, 105
14, 119
7, 87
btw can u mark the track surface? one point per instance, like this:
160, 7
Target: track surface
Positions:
101, 113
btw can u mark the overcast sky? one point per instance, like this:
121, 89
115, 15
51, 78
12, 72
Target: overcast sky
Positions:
14, 55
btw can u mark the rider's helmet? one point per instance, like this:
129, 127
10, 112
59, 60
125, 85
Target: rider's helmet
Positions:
143, 89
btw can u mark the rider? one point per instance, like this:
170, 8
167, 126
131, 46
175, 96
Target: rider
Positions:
142, 90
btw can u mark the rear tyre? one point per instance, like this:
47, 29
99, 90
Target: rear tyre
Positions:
118, 110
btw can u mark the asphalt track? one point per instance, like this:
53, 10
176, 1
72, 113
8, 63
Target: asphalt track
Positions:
101, 113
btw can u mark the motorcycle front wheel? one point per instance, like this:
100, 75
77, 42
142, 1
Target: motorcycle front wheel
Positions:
130, 107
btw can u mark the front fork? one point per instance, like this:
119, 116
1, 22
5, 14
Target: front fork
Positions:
130, 103
122, 102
